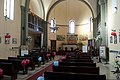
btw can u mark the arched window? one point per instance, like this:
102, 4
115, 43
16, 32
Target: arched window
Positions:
72, 26
53, 25
9, 9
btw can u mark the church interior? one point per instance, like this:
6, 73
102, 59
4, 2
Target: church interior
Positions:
59, 39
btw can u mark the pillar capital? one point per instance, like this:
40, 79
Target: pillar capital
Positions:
102, 2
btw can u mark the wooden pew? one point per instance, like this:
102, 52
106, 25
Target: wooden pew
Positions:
67, 63
35, 59
40, 54
17, 65
78, 60
50, 57
9, 70
76, 69
1, 74
85, 54
1, 77
72, 76
31, 64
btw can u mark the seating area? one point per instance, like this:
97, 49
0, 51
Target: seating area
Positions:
74, 72
71, 68
47, 39
13, 66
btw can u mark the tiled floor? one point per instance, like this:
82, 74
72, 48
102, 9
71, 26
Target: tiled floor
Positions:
104, 69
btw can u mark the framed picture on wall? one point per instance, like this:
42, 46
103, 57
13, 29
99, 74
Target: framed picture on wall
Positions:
111, 39
119, 37
115, 39
83, 37
0, 39
14, 40
72, 39
60, 37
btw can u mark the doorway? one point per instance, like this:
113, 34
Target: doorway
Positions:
53, 45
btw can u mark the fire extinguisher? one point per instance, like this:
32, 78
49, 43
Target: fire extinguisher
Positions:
7, 38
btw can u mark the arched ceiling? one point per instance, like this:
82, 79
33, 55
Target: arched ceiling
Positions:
91, 3
37, 7
69, 9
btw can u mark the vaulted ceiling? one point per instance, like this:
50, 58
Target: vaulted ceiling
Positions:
65, 9
69, 9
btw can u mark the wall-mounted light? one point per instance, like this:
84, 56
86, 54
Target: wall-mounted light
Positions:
116, 8
29, 39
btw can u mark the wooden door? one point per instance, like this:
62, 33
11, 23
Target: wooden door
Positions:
53, 45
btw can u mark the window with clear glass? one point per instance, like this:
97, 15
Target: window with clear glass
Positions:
71, 26
53, 25
114, 6
9, 9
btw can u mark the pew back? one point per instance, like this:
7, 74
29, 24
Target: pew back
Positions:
72, 76
16, 63
78, 60
8, 69
76, 69
31, 64
67, 63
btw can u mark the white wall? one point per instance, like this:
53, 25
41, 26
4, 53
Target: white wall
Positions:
12, 27
113, 23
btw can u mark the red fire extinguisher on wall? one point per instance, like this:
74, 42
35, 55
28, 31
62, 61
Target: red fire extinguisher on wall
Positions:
7, 38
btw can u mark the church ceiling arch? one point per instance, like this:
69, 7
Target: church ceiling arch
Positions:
60, 1
35, 6
78, 10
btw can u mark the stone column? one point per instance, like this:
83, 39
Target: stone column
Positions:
103, 30
24, 22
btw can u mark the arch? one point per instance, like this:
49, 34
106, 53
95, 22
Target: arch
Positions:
24, 21
57, 2
43, 9
27, 3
